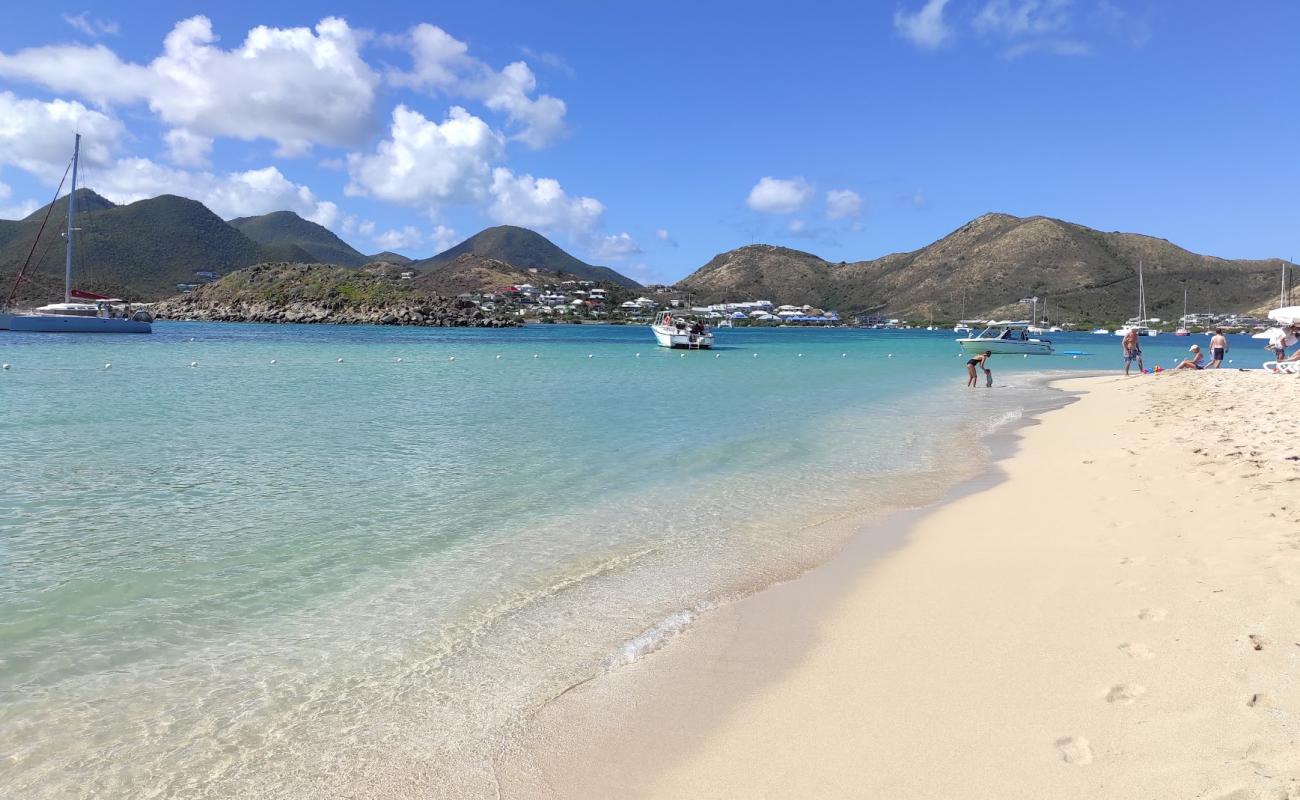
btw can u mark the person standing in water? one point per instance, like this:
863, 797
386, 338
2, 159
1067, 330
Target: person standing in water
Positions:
979, 362
1218, 348
1132, 352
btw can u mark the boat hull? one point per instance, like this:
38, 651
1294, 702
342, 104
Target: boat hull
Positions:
1006, 347
669, 337
54, 323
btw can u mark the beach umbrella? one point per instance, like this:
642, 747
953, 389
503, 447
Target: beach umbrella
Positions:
1287, 316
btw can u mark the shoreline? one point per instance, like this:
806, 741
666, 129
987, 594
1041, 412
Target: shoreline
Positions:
896, 673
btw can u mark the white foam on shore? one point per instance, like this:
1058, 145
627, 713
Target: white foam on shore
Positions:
656, 636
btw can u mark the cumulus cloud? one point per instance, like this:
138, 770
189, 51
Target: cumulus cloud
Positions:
293, 86
187, 149
441, 64
843, 204
92, 27
615, 247
235, 194
924, 27
428, 163
394, 239
1022, 17
443, 238
543, 204
11, 210
36, 136
779, 196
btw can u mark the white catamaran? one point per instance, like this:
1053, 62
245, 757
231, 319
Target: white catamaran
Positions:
95, 314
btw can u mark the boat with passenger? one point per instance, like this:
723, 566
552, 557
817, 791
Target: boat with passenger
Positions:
1006, 337
674, 329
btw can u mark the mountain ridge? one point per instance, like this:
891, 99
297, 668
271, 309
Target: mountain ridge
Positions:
524, 248
288, 228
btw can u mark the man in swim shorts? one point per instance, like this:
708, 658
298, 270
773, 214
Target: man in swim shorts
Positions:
1218, 348
1131, 350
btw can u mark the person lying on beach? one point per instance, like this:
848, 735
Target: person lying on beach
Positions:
980, 361
1195, 361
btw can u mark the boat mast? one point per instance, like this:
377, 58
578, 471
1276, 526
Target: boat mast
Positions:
72, 212
1142, 296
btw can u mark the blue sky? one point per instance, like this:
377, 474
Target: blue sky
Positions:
652, 136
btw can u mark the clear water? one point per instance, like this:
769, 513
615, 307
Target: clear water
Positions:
358, 578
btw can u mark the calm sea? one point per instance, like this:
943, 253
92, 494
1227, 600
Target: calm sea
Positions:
297, 561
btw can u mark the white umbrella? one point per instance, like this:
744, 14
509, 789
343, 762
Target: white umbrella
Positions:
1287, 316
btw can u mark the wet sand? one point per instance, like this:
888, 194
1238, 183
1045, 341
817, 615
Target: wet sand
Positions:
1119, 616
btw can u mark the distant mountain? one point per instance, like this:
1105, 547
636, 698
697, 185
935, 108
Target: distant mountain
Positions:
389, 257
983, 268
287, 228
139, 251
523, 248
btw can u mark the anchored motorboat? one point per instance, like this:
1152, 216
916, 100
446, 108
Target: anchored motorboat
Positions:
680, 330
1006, 337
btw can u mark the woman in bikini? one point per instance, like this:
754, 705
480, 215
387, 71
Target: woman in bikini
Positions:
978, 362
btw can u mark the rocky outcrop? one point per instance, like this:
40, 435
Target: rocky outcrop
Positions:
298, 293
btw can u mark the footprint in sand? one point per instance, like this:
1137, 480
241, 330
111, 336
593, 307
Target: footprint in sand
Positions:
1132, 561
1138, 651
1074, 750
1125, 693
1152, 614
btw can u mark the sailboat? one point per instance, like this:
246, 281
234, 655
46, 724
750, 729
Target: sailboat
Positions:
1139, 322
94, 314
1182, 323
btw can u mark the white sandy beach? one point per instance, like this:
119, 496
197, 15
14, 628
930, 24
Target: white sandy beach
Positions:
1119, 617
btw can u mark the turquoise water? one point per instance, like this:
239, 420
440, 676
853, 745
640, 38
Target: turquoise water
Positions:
320, 577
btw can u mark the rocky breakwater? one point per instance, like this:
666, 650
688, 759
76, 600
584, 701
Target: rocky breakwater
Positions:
312, 293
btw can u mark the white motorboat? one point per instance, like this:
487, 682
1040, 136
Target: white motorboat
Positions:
674, 330
1009, 338
95, 314
1101, 332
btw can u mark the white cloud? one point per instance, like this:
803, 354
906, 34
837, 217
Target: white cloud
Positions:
367, 228
1013, 18
9, 210
428, 163
235, 194
796, 226
615, 247
1056, 47
543, 204
925, 27
442, 64
36, 136
843, 204
443, 238
293, 86
187, 149
394, 239
93, 28
779, 196
663, 236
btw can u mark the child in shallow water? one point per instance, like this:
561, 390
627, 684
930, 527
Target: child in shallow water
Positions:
981, 361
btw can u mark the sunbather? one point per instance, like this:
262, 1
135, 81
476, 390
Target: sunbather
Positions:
1195, 361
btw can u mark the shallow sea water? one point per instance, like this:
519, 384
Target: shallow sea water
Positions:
359, 577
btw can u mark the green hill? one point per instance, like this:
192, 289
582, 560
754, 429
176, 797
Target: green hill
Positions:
287, 228
524, 249
983, 268
139, 251
389, 257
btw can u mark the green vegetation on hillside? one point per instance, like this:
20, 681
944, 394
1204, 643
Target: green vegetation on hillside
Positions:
523, 248
287, 228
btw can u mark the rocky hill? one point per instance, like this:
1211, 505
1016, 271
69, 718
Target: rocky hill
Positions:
305, 293
389, 257
471, 273
983, 268
139, 251
287, 228
523, 248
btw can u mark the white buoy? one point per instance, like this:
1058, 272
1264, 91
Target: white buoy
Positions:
1026, 355
498, 356
194, 363
4, 366
801, 355
589, 355
453, 358
273, 361
717, 355
891, 355
638, 355
683, 355
1073, 356
191, 338
756, 355
398, 359
844, 355
535, 355
109, 365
